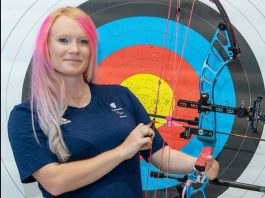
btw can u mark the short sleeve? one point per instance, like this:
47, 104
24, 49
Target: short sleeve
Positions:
141, 116
30, 154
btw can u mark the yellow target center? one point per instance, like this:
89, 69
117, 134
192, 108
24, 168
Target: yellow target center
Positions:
145, 87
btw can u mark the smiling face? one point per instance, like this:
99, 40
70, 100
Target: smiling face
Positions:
68, 47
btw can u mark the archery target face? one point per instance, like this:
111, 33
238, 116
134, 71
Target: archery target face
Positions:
139, 61
131, 53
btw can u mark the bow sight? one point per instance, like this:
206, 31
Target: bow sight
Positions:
252, 113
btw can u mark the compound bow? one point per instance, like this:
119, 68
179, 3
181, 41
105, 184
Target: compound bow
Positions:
223, 51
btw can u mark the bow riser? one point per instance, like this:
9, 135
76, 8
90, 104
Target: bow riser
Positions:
223, 49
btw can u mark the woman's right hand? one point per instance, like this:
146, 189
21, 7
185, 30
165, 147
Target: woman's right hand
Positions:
140, 138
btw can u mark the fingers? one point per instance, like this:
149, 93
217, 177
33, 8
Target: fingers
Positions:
212, 168
209, 160
142, 137
146, 143
146, 134
146, 131
139, 126
151, 124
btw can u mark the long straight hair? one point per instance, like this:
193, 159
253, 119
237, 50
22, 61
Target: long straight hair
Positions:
48, 92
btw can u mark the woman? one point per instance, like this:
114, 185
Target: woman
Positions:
76, 138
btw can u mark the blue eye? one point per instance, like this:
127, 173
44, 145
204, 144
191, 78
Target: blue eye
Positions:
63, 40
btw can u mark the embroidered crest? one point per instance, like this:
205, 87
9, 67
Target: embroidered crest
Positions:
64, 121
117, 110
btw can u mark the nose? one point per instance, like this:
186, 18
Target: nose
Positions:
73, 48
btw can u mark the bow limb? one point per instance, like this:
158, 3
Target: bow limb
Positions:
234, 48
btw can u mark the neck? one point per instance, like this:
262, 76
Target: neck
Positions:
79, 94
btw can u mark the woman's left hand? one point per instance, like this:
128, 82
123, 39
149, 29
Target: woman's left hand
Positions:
212, 168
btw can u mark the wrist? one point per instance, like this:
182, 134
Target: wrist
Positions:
121, 153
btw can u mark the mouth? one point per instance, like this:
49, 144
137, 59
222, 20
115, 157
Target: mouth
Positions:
73, 60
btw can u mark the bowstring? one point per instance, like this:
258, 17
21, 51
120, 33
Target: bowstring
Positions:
157, 96
181, 56
175, 82
176, 71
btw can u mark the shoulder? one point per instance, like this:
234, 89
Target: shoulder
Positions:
22, 108
20, 117
114, 93
109, 89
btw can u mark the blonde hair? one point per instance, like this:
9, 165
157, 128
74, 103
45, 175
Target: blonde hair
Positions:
48, 93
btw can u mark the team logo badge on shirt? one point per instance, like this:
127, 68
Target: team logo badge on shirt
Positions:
117, 110
64, 121
113, 105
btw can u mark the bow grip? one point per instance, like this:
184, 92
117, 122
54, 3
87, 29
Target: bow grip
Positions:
201, 161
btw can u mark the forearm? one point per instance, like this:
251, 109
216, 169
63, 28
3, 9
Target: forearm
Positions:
73, 175
173, 161
59, 178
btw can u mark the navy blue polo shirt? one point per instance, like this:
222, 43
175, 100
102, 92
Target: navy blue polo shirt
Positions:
98, 127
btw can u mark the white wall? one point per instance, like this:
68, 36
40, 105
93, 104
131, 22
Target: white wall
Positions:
20, 21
